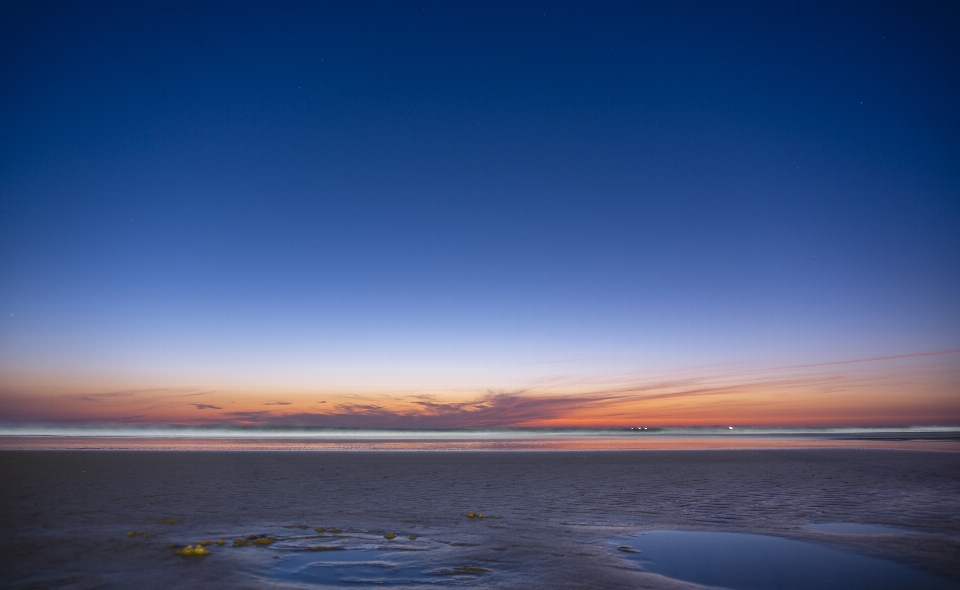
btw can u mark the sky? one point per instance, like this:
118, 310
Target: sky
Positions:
479, 214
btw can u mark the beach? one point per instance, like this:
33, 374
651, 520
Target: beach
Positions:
114, 519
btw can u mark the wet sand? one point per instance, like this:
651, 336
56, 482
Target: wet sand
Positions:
551, 518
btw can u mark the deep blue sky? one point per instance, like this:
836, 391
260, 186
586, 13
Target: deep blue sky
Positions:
380, 195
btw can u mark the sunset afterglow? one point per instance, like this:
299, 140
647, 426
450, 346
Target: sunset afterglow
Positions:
603, 217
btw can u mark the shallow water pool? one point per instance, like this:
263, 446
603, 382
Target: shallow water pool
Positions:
365, 566
741, 561
350, 567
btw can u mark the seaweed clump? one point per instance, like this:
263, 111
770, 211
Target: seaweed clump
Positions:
194, 551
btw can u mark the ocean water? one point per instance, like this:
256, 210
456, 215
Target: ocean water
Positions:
223, 438
218, 432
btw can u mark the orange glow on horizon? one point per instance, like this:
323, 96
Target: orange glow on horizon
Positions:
907, 390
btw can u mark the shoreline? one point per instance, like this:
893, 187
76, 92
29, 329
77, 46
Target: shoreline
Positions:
585, 444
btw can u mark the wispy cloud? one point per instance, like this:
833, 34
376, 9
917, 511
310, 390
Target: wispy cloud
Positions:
850, 391
99, 397
770, 393
492, 410
141, 393
875, 359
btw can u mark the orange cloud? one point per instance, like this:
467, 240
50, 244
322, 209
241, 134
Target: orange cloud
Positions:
893, 390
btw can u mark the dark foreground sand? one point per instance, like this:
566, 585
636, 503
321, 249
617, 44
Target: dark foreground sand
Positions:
553, 517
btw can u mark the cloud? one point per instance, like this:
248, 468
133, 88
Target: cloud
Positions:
875, 359
488, 411
140, 393
358, 408
806, 394
609, 403
96, 397
197, 393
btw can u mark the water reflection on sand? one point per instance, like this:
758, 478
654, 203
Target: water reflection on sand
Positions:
741, 561
361, 561
858, 528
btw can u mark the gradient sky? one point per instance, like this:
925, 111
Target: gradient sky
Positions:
455, 214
